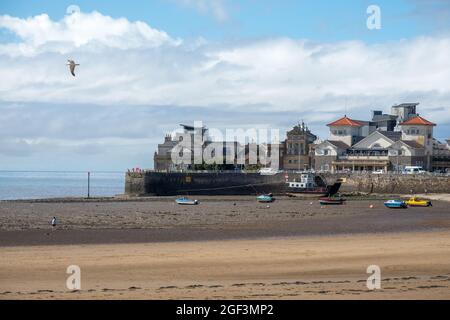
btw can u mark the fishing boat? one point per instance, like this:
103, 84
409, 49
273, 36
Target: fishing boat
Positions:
395, 204
309, 186
416, 202
331, 201
186, 201
265, 198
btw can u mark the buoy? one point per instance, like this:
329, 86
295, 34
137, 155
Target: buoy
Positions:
371, 206
268, 206
310, 203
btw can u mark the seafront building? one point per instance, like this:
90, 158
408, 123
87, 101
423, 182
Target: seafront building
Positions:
294, 153
387, 142
296, 148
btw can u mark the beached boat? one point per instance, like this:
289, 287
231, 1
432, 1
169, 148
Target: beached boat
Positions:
416, 202
308, 186
186, 201
331, 201
395, 204
265, 198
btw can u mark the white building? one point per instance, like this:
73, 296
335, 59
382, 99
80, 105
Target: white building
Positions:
356, 145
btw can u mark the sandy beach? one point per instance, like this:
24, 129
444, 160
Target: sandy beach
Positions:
413, 266
223, 249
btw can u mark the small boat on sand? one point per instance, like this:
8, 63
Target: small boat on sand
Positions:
186, 201
265, 198
416, 202
396, 204
331, 201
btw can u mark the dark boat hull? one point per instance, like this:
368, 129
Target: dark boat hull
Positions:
331, 201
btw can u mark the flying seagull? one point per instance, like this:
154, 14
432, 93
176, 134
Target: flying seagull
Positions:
72, 66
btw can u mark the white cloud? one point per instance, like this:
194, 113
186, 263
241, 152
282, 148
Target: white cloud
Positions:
130, 64
41, 34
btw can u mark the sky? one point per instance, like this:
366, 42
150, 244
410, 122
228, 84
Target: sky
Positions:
147, 66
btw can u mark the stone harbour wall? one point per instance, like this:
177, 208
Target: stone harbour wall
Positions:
391, 183
159, 183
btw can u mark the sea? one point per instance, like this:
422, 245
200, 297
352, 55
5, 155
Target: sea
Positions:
15, 185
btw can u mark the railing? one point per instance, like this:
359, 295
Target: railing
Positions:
389, 173
367, 157
361, 172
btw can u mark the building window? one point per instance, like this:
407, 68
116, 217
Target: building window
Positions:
325, 152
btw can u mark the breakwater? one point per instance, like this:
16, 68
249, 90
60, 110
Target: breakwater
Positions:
202, 183
236, 183
391, 183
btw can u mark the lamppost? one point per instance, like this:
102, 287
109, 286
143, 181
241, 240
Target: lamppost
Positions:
89, 184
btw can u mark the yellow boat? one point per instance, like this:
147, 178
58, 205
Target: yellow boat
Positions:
416, 202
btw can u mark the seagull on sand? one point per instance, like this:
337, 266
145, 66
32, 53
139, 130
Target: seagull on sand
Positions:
72, 66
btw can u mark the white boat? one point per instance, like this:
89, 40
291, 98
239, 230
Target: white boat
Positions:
268, 171
308, 186
186, 201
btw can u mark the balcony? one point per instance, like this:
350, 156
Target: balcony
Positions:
366, 157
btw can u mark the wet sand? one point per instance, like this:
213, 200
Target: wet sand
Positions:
161, 220
225, 248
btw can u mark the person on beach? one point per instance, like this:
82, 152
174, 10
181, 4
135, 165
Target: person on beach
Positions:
53, 223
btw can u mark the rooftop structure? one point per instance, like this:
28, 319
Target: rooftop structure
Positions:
417, 121
345, 122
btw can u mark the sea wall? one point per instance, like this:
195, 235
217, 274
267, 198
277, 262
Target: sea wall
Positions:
160, 183
391, 183
178, 183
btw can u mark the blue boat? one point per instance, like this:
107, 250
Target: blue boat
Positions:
395, 204
265, 198
186, 201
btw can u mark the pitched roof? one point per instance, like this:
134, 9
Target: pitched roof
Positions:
346, 122
412, 144
339, 144
418, 121
393, 135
